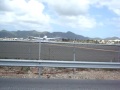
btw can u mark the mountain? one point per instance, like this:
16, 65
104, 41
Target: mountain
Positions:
26, 34
112, 38
97, 38
65, 35
5, 33
109, 38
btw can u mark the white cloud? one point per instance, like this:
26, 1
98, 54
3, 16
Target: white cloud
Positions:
25, 14
69, 7
115, 22
113, 5
72, 13
29, 14
77, 22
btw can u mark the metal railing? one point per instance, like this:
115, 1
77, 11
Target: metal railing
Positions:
66, 64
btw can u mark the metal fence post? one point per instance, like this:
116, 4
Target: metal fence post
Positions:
29, 52
119, 54
74, 52
74, 58
40, 69
49, 53
39, 48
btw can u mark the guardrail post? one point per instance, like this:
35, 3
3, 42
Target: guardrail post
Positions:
40, 71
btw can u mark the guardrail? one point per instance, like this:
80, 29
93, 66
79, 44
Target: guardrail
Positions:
67, 64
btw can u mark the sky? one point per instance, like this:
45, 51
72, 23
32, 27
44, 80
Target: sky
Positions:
90, 18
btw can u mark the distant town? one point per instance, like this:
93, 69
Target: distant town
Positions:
59, 39
35, 36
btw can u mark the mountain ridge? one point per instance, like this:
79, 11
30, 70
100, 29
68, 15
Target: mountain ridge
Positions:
26, 34
66, 35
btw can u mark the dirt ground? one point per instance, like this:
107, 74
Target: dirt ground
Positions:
59, 73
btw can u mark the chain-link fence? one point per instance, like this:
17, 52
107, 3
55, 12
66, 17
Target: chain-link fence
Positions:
59, 51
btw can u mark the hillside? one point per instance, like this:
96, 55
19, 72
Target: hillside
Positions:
26, 34
66, 35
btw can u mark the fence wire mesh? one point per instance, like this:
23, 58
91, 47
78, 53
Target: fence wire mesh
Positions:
59, 51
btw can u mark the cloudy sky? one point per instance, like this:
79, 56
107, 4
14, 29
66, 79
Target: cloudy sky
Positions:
92, 18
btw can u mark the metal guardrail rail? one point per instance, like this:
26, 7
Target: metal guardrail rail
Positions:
67, 64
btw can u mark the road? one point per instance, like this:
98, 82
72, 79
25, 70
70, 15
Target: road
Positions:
57, 84
52, 51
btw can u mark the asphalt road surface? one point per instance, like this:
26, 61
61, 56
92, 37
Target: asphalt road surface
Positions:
52, 51
56, 84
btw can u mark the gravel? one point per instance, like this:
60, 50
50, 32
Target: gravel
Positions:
61, 73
